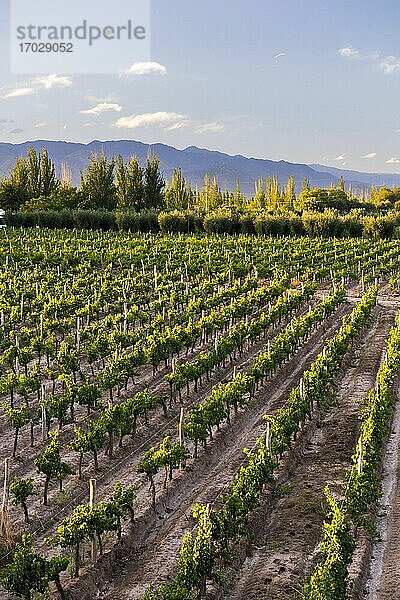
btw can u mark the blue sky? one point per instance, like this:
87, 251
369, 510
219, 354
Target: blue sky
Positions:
331, 96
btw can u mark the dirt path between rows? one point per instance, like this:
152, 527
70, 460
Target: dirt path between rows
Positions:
122, 465
286, 530
384, 573
151, 557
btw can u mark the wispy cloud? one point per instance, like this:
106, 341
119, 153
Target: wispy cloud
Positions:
340, 157
279, 55
369, 155
210, 128
350, 52
102, 107
17, 130
138, 69
156, 119
51, 81
168, 121
387, 64
393, 161
19, 91
180, 124
40, 125
35, 85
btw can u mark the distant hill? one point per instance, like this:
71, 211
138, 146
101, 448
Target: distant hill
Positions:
389, 179
195, 162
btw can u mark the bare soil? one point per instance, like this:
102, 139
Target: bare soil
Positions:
383, 581
286, 530
284, 533
150, 553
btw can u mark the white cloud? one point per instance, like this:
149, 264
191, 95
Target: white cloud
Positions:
197, 127
389, 65
144, 68
102, 107
40, 125
35, 85
179, 125
340, 157
156, 119
369, 155
19, 91
350, 52
393, 161
210, 128
52, 81
168, 121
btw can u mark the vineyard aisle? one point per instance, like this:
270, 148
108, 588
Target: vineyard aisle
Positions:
384, 576
156, 558
285, 535
141, 367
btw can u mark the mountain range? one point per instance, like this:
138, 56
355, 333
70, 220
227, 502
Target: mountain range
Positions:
195, 163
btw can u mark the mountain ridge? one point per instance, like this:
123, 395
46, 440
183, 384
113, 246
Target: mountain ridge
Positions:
195, 162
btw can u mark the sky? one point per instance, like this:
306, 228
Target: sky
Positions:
310, 81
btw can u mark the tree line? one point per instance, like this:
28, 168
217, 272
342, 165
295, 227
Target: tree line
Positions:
106, 183
114, 183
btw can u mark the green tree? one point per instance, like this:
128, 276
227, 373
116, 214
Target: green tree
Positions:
33, 166
239, 200
14, 190
259, 196
177, 192
384, 195
41, 174
97, 183
153, 183
129, 183
64, 198
31, 177
273, 193
290, 194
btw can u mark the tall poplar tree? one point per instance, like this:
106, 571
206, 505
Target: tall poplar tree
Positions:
153, 183
98, 183
177, 192
129, 183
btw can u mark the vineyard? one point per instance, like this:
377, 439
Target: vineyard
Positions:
197, 417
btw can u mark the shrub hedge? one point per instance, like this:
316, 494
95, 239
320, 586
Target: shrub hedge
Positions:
313, 224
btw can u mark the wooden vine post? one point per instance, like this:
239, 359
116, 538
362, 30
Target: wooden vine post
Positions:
268, 438
44, 414
92, 500
5, 529
181, 433
360, 457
